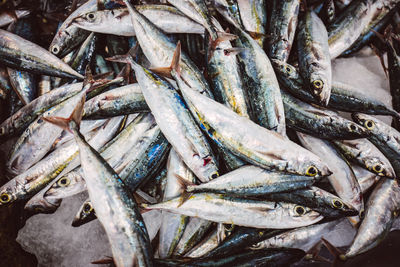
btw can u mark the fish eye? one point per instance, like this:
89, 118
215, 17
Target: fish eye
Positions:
396, 213
317, 84
214, 175
361, 215
258, 245
91, 16
377, 168
87, 208
311, 171
352, 127
337, 204
64, 181
369, 124
5, 198
55, 49
299, 210
288, 69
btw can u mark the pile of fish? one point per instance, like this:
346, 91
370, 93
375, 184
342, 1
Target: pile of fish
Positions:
205, 133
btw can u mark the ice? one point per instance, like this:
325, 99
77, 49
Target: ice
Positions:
56, 243
366, 74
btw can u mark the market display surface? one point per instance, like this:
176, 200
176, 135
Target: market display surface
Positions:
198, 133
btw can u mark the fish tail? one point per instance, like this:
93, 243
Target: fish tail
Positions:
337, 253
166, 71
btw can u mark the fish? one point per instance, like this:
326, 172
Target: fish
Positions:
31, 57
128, 236
282, 29
167, 18
241, 211
384, 137
314, 57
186, 138
251, 142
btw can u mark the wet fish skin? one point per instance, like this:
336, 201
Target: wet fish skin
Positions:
381, 210
173, 225
366, 179
342, 178
167, 18
24, 83
384, 137
261, 84
68, 36
125, 229
123, 100
185, 136
367, 155
27, 184
314, 58
20, 120
253, 15
246, 258
252, 181
225, 77
240, 211
282, 28
159, 50
242, 237
19, 53
302, 238
249, 141
327, 204
320, 122
343, 97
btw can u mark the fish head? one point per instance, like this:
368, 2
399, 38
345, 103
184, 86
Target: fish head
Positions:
41, 205
62, 188
354, 130
8, 194
320, 88
90, 20
85, 214
311, 165
369, 123
342, 207
285, 69
303, 214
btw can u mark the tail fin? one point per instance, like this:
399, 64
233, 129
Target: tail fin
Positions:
222, 37
77, 113
166, 71
337, 253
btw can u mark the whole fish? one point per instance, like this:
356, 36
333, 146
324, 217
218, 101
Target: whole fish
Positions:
185, 136
18, 53
253, 181
241, 211
302, 238
314, 58
282, 28
384, 137
250, 141
367, 155
343, 97
125, 229
167, 18
342, 180
381, 210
